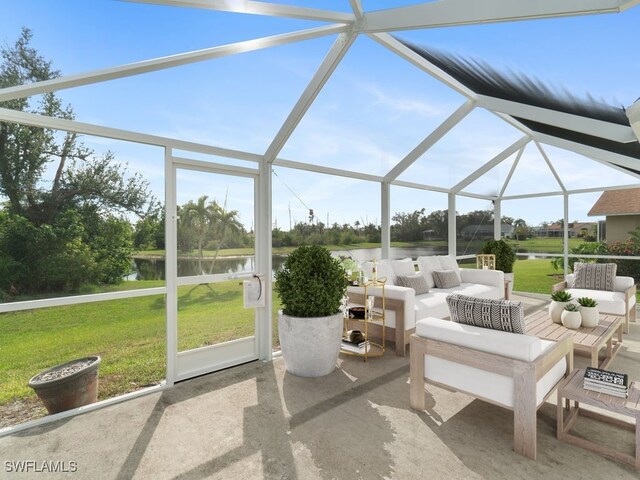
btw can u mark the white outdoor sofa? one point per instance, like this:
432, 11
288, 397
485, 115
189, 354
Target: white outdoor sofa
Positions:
403, 307
515, 371
621, 301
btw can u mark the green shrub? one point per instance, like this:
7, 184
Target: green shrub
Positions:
505, 254
311, 283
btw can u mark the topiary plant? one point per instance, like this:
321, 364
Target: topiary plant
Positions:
587, 302
561, 296
311, 283
505, 255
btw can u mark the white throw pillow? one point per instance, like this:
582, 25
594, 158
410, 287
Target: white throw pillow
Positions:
428, 265
403, 268
449, 263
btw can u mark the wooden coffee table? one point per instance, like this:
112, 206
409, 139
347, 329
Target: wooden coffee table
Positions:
587, 341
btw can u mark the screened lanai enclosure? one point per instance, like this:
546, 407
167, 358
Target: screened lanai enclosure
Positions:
383, 107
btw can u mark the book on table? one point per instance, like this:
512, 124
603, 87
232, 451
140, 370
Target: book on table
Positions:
597, 376
604, 381
362, 347
622, 393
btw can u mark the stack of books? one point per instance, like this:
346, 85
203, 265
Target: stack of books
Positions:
603, 381
349, 346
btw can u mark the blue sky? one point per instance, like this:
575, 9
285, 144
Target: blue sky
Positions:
372, 112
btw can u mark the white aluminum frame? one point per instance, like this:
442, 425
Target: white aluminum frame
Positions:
198, 361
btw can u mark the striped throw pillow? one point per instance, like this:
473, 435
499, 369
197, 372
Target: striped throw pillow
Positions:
595, 276
502, 315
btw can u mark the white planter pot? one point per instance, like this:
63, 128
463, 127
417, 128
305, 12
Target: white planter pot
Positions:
571, 319
590, 316
555, 310
310, 346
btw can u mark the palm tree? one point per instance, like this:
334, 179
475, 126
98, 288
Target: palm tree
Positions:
224, 221
520, 228
199, 217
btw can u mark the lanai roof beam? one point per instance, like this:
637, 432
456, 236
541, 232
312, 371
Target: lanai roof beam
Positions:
431, 140
258, 8
501, 157
136, 68
469, 12
327, 67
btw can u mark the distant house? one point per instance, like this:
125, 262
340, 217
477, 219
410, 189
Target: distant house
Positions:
621, 209
576, 229
483, 232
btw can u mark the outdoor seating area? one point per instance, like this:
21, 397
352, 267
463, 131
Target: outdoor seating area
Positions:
257, 421
412, 325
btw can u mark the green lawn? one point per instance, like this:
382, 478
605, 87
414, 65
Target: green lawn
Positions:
535, 276
129, 335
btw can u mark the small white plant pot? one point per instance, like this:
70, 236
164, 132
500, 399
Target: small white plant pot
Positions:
590, 316
555, 310
571, 320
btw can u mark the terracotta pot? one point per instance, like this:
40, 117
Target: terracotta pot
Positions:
68, 385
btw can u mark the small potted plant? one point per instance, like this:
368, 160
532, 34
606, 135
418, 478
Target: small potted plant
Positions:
505, 258
68, 385
571, 316
589, 312
559, 300
311, 285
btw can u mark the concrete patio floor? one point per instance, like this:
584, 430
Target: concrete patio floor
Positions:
257, 421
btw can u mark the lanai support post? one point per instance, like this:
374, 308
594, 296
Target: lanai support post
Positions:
497, 220
385, 227
451, 236
565, 250
263, 248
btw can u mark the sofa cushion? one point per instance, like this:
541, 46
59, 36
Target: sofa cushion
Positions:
446, 278
427, 266
481, 312
432, 304
449, 263
415, 281
403, 268
595, 276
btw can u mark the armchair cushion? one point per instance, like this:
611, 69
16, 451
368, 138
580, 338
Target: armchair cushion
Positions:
481, 312
608, 302
595, 276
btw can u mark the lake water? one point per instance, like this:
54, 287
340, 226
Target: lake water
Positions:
153, 269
